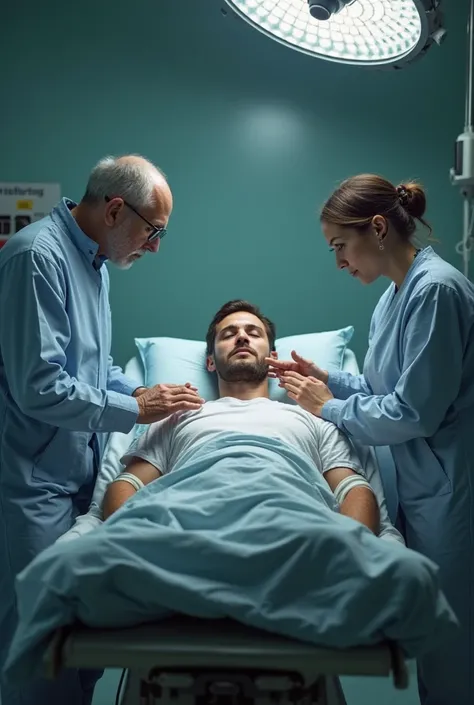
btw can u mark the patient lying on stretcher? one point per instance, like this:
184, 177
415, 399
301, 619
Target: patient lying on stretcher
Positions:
237, 345
248, 509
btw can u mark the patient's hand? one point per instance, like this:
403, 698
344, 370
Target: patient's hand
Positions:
306, 368
162, 400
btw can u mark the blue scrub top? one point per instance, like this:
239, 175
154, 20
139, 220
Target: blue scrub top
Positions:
59, 389
416, 393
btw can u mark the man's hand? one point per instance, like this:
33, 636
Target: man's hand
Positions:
300, 365
162, 400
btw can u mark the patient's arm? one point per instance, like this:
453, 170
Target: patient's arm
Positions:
360, 503
119, 491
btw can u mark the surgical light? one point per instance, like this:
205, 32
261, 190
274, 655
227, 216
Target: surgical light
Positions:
359, 32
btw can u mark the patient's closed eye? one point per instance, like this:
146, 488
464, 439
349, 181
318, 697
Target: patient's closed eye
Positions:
250, 330
254, 331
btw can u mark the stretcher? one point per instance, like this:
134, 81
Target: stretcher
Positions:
188, 661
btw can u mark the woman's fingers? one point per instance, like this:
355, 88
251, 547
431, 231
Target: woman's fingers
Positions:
279, 364
301, 360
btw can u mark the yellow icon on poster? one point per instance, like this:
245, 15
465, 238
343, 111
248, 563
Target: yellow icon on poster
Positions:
24, 205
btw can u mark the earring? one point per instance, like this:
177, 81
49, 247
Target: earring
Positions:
377, 235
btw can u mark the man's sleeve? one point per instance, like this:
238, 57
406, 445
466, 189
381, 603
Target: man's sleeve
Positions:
335, 450
153, 445
118, 382
33, 344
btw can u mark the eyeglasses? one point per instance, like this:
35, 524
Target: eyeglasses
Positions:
157, 230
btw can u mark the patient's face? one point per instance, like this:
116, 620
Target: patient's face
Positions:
356, 251
240, 348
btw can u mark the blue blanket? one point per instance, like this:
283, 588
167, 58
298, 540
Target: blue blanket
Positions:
242, 528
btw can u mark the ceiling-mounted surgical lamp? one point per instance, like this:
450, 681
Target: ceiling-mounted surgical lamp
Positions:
325, 9
358, 32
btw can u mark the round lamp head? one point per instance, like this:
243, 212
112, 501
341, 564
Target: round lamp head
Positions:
358, 32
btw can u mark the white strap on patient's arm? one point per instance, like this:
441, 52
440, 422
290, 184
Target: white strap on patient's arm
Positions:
348, 484
133, 480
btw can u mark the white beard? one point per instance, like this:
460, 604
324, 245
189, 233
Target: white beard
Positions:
118, 252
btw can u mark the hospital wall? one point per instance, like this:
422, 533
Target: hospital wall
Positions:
253, 138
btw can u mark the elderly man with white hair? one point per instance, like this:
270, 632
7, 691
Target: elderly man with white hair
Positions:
60, 393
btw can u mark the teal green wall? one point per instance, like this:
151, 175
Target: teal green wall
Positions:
252, 136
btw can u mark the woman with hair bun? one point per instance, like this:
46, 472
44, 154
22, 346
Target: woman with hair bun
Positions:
416, 395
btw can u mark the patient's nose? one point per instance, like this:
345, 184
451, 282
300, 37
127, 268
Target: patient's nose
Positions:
242, 338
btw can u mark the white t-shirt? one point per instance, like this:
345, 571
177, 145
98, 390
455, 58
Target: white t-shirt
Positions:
163, 443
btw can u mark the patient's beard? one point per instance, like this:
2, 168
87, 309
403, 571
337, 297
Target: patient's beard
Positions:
252, 372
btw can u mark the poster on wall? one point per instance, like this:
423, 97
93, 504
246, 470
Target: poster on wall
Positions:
21, 203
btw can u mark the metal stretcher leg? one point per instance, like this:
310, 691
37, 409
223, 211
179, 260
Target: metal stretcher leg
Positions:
185, 661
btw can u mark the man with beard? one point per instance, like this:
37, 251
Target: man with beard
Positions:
60, 393
253, 510
238, 340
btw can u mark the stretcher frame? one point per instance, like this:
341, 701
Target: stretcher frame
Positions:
190, 661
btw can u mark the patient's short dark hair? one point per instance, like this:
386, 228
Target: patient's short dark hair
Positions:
236, 306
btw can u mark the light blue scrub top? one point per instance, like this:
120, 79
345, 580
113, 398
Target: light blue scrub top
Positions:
416, 393
59, 390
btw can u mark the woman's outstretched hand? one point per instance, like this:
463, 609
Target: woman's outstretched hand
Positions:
306, 368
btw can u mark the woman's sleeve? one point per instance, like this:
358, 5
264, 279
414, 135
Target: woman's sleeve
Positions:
434, 342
